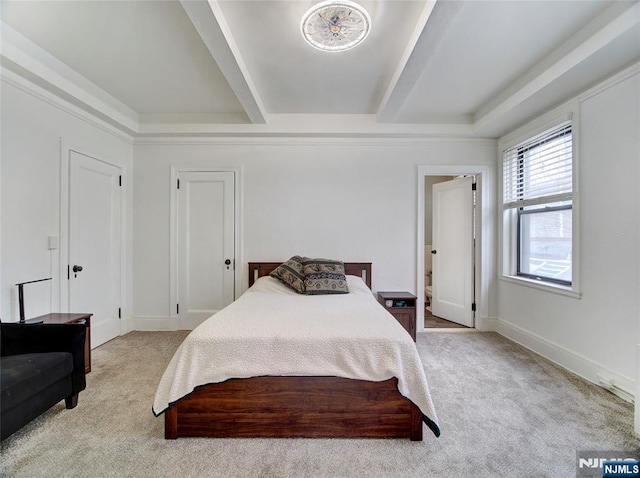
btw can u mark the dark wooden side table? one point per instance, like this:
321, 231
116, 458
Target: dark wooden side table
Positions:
68, 318
402, 305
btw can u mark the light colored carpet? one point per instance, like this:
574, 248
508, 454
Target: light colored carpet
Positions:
503, 410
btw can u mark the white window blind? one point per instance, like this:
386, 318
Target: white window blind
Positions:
539, 171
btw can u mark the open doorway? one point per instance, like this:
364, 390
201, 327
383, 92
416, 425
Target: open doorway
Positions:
483, 225
448, 251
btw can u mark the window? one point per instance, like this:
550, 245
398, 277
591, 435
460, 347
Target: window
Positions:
538, 206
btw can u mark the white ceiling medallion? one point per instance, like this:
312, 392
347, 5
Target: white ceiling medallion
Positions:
335, 25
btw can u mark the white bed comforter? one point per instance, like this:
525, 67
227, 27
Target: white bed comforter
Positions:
272, 330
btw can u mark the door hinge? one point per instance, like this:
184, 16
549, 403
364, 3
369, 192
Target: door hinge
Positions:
473, 307
473, 186
119, 312
178, 183
177, 309
120, 180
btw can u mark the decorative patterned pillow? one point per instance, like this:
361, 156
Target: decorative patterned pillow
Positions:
291, 274
324, 276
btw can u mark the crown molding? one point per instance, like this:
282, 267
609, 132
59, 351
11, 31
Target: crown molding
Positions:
27, 59
26, 86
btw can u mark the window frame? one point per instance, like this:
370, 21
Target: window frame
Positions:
538, 277
509, 223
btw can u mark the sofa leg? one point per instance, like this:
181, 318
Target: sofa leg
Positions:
71, 401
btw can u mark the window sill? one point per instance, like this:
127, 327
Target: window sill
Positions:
545, 286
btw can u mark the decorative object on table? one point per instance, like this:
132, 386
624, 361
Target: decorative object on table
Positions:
21, 300
402, 305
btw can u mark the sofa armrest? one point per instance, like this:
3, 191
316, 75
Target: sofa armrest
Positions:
41, 338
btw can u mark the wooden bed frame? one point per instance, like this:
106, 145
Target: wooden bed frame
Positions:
286, 407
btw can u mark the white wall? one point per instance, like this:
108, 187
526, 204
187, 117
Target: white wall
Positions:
597, 333
350, 199
32, 128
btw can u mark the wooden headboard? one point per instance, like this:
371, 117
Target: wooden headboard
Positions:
360, 269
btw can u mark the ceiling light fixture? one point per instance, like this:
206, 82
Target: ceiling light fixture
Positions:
335, 25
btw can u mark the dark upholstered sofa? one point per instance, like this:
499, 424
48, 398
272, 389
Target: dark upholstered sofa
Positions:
40, 365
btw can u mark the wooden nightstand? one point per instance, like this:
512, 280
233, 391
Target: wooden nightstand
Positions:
69, 318
402, 305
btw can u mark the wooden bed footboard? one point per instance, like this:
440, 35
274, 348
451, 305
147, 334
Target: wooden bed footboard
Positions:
287, 407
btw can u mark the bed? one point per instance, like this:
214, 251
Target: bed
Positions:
228, 401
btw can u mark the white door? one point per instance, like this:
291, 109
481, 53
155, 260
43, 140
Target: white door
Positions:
94, 244
206, 257
452, 253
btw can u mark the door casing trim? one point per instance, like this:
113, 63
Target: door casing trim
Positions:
485, 223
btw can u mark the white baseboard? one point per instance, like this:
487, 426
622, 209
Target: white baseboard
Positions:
485, 324
491, 324
153, 323
622, 386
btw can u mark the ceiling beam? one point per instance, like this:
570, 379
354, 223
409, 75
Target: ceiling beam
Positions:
309, 126
209, 22
432, 25
600, 32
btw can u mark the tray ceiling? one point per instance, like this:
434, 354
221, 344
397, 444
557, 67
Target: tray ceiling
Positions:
473, 68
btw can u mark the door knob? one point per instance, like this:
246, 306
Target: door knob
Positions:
228, 263
76, 269
434, 252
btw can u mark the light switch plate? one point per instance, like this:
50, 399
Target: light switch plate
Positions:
52, 242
